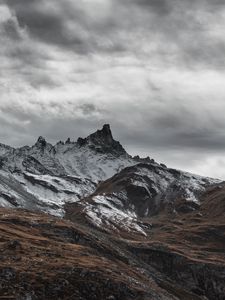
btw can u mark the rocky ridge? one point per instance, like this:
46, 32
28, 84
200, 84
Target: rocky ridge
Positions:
69, 171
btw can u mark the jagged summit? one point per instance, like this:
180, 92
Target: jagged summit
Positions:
103, 142
41, 141
42, 146
102, 136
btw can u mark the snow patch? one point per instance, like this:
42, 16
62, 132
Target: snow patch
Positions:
102, 212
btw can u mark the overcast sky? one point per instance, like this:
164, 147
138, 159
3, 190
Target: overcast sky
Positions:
153, 69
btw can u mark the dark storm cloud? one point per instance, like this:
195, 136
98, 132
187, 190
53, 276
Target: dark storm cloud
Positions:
49, 25
154, 69
49, 28
45, 24
26, 61
166, 24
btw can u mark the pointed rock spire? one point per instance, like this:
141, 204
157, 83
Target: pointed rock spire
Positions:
41, 141
103, 136
102, 141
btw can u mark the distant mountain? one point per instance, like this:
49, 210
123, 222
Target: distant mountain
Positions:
51, 175
45, 177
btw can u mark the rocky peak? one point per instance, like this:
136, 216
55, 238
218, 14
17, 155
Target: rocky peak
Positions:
41, 141
81, 142
103, 136
102, 141
68, 141
42, 145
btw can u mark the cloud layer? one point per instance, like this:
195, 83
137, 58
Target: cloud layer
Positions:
153, 69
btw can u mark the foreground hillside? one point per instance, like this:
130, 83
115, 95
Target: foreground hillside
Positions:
46, 177
182, 257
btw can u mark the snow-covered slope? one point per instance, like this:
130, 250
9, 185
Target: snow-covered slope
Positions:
62, 173
96, 157
5, 149
142, 191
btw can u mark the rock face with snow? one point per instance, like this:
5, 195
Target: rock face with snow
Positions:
142, 191
45, 177
96, 157
52, 175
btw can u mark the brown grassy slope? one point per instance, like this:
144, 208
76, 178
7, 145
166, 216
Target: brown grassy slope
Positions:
47, 258
183, 245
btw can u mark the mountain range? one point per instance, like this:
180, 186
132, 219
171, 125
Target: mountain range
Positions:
85, 220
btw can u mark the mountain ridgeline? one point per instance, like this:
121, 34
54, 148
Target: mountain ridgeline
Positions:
149, 231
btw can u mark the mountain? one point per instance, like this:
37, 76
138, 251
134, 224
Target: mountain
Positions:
52, 175
142, 191
85, 220
45, 177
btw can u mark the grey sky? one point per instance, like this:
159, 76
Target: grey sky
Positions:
153, 69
